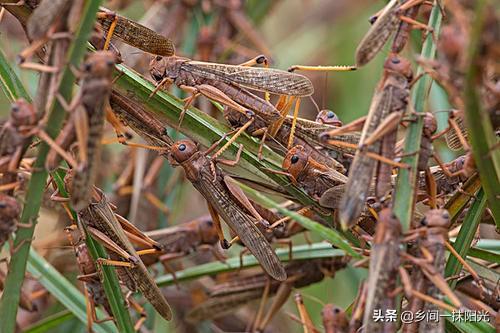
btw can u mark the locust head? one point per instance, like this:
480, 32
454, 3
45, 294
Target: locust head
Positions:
328, 117
162, 68
182, 151
430, 124
100, 64
399, 65
295, 161
208, 231
9, 207
22, 113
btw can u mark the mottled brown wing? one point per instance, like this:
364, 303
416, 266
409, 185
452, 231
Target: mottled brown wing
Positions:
378, 34
240, 222
255, 78
136, 35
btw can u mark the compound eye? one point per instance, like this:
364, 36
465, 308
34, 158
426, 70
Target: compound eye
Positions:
158, 58
446, 215
110, 63
15, 108
294, 159
395, 60
182, 147
330, 114
87, 67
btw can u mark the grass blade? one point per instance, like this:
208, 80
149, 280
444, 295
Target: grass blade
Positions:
10, 83
50, 322
63, 290
466, 236
300, 252
22, 243
407, 178
335, 237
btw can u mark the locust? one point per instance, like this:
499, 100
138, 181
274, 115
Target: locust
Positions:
226, 297
134, 34
9, 213
427, 277
378, 140
319, 181
87, 119
111, 231
387, 22
230, 84
15, 136
333, 317
181, 240
226, 199
90, 276
383, 271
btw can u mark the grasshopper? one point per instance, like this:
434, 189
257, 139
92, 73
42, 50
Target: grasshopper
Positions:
15, 136
134, 34
227, 296
180, 240
226, 199
384, 265
319, 181
229, 84
106, 227
90, 276
334, 318
428, 278
87, 119
377, 140
386, 24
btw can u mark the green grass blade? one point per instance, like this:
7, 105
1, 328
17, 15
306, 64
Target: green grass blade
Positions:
466, 236
479, 128
50, 322
63, 290
483, 254
468, 326
300, 252
36, 186
407, 178
10, 83
329, 234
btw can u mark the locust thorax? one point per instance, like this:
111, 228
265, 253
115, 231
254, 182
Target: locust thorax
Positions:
430, 124
182, 150
295, 161
398, 65
100, 65
328, 117
22, 113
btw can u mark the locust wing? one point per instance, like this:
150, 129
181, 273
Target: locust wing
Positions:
255, 78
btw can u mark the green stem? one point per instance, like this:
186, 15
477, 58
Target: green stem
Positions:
407, 178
